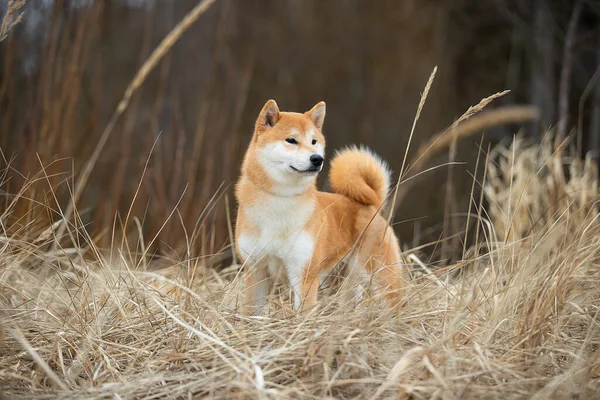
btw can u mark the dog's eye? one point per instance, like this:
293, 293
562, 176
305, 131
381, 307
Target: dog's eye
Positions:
314, 141
291, 140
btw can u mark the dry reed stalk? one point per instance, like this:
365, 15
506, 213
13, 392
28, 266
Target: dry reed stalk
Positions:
11, 19
392, 208
472, 200
412, 132
477, 108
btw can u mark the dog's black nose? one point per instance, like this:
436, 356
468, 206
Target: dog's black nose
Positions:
316, 160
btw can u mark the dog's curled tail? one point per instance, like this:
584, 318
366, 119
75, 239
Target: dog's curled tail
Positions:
360, 175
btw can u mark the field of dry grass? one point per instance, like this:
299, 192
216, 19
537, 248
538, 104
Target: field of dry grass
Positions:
518, 317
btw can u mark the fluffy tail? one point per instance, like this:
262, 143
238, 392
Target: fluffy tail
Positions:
361, 175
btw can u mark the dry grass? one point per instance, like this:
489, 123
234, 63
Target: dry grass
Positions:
12, 17
519, 318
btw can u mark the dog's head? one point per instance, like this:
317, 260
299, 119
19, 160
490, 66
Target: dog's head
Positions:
289, 146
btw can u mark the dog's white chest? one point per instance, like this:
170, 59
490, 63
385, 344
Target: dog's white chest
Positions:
278, 231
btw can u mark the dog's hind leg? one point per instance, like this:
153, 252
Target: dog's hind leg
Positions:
380, 256
386, 266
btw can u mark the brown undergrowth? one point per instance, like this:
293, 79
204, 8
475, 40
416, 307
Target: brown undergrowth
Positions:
517, 318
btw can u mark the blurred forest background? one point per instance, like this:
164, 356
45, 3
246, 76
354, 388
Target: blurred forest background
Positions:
65, 67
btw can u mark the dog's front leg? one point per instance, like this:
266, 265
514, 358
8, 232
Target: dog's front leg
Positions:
305, 284
256, 288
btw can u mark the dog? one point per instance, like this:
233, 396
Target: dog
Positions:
284, 222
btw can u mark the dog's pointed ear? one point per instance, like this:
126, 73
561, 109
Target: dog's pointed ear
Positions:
317, 114
269, 115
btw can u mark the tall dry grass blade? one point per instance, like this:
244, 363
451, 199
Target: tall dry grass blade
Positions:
412, 131
480, 209
139, 78
137, 190
471, 200
10, 20
478, 107
230, 230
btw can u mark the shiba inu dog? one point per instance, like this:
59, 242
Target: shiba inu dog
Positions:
285, 222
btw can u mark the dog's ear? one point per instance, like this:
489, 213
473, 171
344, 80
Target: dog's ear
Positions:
317, 114
269, 115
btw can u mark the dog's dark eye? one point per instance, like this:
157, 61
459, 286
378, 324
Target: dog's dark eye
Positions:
291, 140
314, 141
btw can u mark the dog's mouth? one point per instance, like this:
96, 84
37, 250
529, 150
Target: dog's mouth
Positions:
310, 171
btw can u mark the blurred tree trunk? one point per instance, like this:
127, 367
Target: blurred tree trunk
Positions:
543, 83
565, 73
595, 119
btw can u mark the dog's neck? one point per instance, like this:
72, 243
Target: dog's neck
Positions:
256, 181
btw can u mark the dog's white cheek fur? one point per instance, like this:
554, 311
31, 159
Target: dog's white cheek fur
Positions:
276, 159
272, 158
